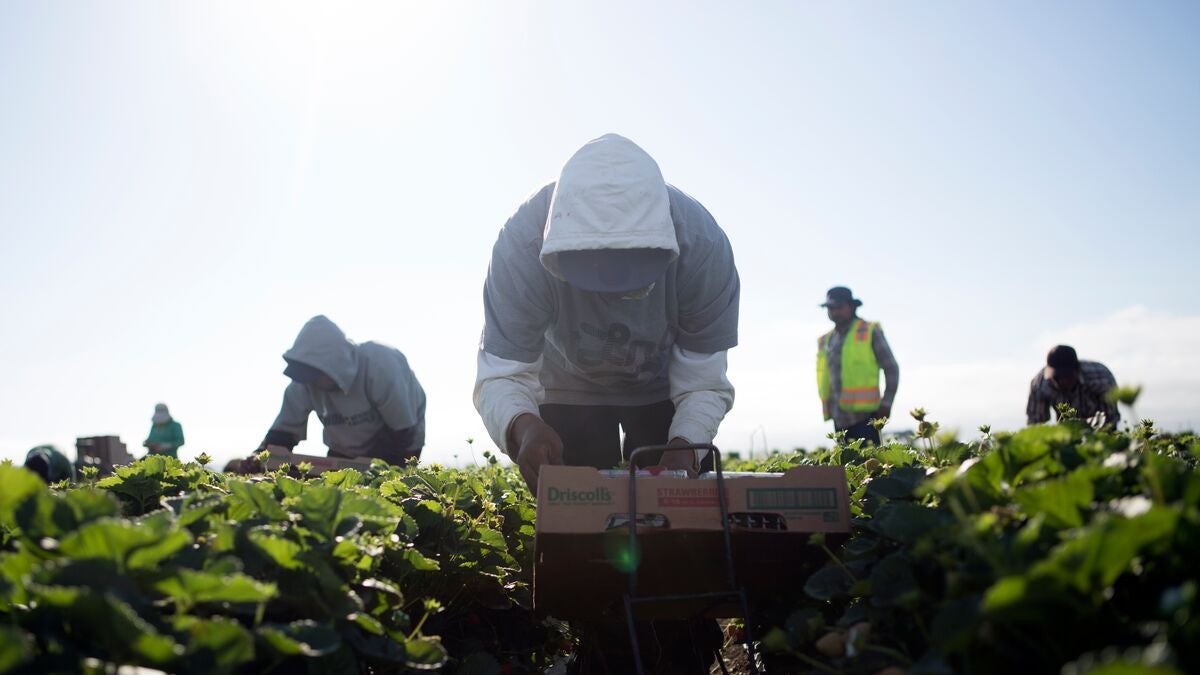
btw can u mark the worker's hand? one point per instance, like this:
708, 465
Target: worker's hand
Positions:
885, 410
536, 443
680, 459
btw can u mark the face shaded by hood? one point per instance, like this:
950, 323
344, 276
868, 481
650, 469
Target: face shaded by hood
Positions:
322, 345
609, 195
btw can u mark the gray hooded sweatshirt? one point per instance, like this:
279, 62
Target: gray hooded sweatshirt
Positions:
376, 388
545, 341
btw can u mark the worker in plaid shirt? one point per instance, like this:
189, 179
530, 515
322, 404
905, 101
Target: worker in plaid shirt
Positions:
1083, 385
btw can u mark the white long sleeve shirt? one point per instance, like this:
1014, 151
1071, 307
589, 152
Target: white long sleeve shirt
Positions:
700, 390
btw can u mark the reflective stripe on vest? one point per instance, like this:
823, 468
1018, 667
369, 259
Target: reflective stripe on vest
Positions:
859, 370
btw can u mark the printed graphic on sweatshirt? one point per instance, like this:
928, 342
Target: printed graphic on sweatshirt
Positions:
610, 354
370, 416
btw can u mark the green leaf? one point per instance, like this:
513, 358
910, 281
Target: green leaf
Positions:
43, 515
300, 638
419, 562
109, 623
396, 490
1123, 666
284, 552
860, 546
220, 641
827, 583
1060, 500
90, 504
1036, 441
193, 510
369, 508
343, 478
907, 522
1094, 561
428, 513
896, 455
15, 646
318, 507
15, 569
197, 587
889, 488
366, 622
424, 653
288, 486
893, 583
260, 500
492, 538
117, 539
149, 557
1005, 593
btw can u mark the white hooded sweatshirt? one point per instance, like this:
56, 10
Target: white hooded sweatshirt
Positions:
375, 388
545, 341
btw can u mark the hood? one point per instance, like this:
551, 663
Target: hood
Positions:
609, 195
161, 414
322, 345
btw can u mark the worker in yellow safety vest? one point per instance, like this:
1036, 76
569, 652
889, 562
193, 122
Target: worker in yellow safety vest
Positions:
849, 359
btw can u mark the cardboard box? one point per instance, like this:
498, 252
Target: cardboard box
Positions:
102, 452
280, 455
582, 549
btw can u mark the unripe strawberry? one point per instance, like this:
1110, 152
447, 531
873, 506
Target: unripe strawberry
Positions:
832, 644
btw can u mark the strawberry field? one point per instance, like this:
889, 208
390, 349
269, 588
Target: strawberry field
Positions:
1054, 549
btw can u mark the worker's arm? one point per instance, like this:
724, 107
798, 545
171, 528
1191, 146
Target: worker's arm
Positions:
519, 303
1037, 410
1101, 386
701, 393
291, 425
709, 294
891, 371
504, 390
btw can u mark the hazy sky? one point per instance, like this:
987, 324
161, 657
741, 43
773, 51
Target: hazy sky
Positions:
182, 185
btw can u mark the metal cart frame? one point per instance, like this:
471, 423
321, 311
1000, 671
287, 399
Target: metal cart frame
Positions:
633, 599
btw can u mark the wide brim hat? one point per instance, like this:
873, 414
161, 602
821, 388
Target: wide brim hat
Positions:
840, 295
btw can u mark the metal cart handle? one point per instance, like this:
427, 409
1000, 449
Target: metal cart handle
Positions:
721, 502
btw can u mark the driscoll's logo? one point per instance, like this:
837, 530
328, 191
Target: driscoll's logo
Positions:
600, 495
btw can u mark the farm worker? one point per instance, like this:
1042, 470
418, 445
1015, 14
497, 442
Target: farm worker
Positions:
609, 304
1083, 385
365, 395
166, 434
849, 359
53, 466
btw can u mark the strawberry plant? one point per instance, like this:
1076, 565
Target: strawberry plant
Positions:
1054, 549
1057, 548
174, 567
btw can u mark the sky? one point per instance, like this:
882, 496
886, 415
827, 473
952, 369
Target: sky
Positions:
182, 185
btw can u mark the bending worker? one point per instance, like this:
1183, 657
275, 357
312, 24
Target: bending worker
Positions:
609, 305
365, 395
50, 464
1082, 385
849, 359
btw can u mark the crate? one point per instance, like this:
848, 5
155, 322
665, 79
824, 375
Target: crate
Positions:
102, 452
279, 455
